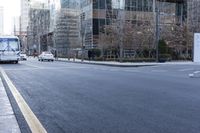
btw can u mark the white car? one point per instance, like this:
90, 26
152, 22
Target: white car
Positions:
23, 56
48, 56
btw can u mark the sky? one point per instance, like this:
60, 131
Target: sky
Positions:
11, 9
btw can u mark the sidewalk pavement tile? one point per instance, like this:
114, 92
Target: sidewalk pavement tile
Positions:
8, 122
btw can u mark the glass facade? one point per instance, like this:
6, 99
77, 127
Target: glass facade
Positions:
139, 5
194, 16
139, 14
105, 12
86, 23
66, 26
69, 4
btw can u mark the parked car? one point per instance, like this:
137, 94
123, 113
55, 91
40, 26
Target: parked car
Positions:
23, 56
48, 56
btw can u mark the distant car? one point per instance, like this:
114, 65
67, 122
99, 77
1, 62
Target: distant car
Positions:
48, 56
23, 56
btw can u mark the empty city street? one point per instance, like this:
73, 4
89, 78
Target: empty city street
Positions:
83, 98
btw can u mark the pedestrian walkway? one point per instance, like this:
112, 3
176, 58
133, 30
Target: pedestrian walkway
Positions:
125, 64
8, 122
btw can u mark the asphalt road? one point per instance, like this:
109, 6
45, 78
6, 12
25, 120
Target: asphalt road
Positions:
81, 98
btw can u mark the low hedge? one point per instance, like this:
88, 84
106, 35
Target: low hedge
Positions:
165, 57
126, 59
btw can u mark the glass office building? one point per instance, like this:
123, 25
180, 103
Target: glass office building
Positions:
194, 15
96, 14
65, 25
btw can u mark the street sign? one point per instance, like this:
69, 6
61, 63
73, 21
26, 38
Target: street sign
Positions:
196, 47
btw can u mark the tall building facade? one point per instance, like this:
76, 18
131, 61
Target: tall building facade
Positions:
1, 20
135, 16
24, 17
72, 4
99, 13
53, 25
16, 26
42, 4
54, 7
66, 26
38, 27
194, 15
39, 22
66, 31
117, 23
25, 7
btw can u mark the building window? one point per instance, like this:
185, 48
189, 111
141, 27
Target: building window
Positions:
139, 5
95, 26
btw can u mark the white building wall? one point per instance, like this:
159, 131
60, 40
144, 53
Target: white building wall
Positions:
16, 26
25, 6
54, 6
42, 4
196, 48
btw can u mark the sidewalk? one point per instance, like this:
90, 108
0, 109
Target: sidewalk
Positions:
125, 64
8, 122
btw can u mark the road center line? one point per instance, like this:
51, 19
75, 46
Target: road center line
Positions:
31, 119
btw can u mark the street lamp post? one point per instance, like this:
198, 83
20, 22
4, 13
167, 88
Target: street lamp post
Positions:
157, 11
27, 39
82, 49
82, 37
39, 47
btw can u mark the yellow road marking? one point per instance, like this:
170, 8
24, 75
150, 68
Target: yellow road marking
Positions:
31, 119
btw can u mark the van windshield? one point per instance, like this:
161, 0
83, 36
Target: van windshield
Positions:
9, 44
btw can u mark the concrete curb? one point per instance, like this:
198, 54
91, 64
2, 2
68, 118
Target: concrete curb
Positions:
116, 64
108, 64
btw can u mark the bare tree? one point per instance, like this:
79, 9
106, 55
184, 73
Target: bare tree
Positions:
136, 37
178, 39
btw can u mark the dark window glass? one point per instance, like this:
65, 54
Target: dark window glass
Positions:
102, 4
101, 25
95, 26
95, 4
109, 4
139, 5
